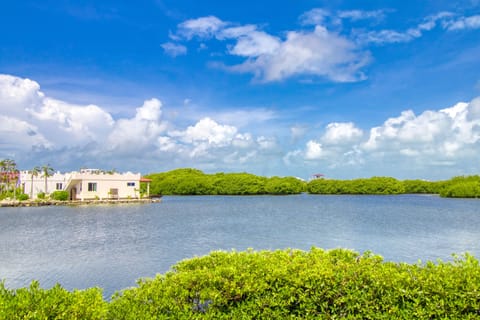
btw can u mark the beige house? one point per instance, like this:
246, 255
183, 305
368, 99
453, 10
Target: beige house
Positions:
87, 184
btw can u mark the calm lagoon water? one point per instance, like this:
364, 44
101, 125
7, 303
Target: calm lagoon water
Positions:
112, 246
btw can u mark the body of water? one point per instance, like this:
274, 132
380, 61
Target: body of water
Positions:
113, 245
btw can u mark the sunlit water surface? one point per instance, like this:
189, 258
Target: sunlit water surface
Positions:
113, 245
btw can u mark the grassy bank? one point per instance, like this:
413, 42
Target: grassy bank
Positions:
283, 284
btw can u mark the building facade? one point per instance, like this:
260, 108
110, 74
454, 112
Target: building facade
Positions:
86, 184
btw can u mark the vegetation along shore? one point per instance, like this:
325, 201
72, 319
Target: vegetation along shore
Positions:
195, 182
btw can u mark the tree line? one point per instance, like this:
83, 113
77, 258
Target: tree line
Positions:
194, 182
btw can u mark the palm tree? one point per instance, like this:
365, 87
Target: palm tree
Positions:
47, 171
9, 170
3, 175
34, 173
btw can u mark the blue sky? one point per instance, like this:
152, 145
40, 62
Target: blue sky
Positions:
343, 88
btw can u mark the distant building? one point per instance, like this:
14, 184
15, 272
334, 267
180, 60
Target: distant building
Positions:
318, 176
87, 184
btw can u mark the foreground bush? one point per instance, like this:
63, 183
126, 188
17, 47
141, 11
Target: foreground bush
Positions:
293, 284
284, 284
55, 303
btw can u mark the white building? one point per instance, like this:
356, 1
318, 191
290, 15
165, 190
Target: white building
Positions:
88, 184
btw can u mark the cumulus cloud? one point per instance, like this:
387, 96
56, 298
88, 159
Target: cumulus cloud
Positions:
136, 134
445, 137
34, 127
209, 131
313, 150
341, 133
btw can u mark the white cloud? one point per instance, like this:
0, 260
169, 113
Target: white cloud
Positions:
18, 94
317, 53
392, 36
255, 44
173, 49
472, 22
361, 14
20, 135
341, 133
204, 27
35, 127
314, 150
38, 129
445, 137
314, 17
82, 123
135, 135
207, 130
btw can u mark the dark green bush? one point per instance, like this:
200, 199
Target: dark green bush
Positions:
293, 284
41, 195
60, 195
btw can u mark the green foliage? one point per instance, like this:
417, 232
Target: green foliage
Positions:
284, 185
41, 195
22, 197
60, 195
195, 182
55, 303
282, 284
375, 185
238, 184
461, 187
293, 284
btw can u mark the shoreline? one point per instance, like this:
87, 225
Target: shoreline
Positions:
43, 203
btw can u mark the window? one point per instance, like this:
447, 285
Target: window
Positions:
130, 184
59, 186
92, 186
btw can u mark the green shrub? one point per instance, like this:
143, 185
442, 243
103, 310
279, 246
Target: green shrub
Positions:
22, 197
374, 185
60, 195
41, 195
282, 284
55, 303
293, 284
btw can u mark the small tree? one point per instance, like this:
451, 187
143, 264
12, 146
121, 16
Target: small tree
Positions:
47, 171
34, 173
